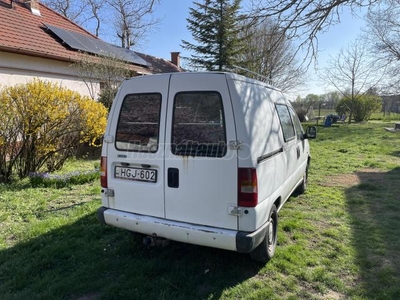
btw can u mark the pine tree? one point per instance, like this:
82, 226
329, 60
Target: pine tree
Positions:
215, 27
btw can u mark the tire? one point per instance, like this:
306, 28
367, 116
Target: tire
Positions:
303, 186
266, 250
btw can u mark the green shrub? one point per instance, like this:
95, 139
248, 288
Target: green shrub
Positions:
107, 96
42, 124
360, 108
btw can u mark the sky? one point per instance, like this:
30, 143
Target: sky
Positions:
173, 29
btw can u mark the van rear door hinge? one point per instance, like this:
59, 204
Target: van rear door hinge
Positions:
108, 139
234, 145
234, 210
108, 192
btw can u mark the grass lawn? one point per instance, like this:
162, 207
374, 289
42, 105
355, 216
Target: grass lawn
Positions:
340, 240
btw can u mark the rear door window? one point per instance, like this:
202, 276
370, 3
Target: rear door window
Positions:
198, 127
138, 124
286, 122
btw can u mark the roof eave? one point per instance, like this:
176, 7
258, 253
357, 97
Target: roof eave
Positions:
38, 54
70, 59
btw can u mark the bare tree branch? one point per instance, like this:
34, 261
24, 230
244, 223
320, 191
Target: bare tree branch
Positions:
272, 56
132, 19
383, 35
71, 9
96, 7
353, 72
304, 20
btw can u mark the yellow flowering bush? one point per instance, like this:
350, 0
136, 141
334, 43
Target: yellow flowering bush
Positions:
42, 124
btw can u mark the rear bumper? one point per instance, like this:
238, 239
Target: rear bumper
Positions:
233, 240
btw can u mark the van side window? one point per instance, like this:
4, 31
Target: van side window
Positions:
297, 124
198, 127
286, 122
138, 123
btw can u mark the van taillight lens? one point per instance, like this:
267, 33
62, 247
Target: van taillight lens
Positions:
247, 187
103, 172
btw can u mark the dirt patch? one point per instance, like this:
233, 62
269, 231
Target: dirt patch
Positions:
343, 180
333, 295
353, 179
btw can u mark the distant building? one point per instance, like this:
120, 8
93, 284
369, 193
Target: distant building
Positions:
391, 104
37, 42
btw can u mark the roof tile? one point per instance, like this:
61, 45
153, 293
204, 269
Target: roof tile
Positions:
22, 31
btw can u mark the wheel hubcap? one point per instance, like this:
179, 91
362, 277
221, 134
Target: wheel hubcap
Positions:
305, 178
271, 232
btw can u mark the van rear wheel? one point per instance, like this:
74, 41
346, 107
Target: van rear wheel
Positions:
266, 250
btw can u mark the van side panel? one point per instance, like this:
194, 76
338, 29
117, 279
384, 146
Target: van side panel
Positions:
258, 127
283, 160
291, 151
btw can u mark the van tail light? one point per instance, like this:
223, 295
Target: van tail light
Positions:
103, 172
247, 187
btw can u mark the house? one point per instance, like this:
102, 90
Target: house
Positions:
159, 65
37, 42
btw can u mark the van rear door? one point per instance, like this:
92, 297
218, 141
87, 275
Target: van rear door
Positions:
201, 171
135, 148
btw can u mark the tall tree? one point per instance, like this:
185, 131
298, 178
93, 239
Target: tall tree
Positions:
215, 27
352, 72
132, 19
271, 56
331, 99
312, 100
96, 8
383, 34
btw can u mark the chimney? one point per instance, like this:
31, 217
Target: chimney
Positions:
33, 5
176, 59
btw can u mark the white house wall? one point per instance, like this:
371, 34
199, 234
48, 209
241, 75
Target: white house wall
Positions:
17, 69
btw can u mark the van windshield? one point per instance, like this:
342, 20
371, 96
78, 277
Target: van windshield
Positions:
138, 124
198, 125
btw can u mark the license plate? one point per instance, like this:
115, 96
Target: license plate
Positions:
149, 175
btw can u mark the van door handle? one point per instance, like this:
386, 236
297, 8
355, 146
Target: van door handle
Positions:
173, 178
298, 152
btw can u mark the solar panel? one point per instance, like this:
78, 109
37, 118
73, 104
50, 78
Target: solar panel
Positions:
67, 38
127, 54
84, 43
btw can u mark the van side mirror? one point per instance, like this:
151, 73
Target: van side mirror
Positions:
311, 132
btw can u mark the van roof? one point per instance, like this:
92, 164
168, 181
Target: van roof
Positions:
229, 75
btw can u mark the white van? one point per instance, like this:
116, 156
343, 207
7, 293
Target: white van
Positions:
203, 158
